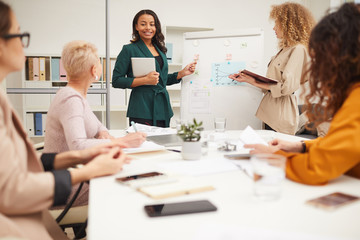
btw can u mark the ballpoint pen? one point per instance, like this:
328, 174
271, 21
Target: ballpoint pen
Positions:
133, 125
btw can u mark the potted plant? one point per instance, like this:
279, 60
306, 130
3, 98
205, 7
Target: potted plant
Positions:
190, 134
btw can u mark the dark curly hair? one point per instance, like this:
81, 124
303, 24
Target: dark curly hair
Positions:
295, 21
158, 39
334, 48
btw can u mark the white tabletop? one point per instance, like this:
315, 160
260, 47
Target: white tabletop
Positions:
117, 211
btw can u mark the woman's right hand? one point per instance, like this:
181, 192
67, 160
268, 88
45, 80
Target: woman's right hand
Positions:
132, 140
102, 165
152, 78
107, 163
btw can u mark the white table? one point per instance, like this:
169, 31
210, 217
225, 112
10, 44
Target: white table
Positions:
116, 211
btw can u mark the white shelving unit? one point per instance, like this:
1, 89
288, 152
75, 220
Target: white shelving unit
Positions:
30, 103
175, 35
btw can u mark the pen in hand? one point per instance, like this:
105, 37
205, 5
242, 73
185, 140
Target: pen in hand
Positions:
133, 125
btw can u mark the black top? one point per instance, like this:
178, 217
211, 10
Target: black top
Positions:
160, 61
62, 179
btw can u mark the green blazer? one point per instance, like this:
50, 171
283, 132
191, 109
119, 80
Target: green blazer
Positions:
147, 101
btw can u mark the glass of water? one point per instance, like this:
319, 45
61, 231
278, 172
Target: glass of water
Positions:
269, 173
220, 124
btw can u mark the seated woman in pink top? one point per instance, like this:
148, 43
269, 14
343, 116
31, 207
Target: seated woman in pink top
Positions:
70, 123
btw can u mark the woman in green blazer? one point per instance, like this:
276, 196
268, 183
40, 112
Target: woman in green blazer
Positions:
149, 100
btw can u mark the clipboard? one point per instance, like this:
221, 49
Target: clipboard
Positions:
142, 66
260, 78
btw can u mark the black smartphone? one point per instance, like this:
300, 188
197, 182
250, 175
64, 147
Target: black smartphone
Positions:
139, 176
167, 209
238, 156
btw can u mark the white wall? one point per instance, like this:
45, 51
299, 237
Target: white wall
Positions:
53, 23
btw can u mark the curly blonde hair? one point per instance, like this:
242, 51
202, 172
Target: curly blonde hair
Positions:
295, 21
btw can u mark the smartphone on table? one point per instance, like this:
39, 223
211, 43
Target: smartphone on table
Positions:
166, 209
333, 201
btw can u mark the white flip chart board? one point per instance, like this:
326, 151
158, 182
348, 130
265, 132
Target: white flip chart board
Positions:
209, 93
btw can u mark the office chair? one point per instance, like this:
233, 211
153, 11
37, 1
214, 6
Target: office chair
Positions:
72, 217
306, 128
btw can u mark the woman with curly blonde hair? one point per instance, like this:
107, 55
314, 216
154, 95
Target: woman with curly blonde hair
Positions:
279, 108
334, 78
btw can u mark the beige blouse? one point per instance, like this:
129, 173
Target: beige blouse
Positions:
26, 191
278, 108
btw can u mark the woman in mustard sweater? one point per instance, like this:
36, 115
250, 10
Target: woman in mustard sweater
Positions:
334, 79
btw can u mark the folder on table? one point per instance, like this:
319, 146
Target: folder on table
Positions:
30, 69
42, 69
62, 71
38, 124
36, 69
55, 69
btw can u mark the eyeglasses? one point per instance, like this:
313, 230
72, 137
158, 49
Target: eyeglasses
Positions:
25, 38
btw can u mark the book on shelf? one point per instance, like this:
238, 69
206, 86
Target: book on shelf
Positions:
62, 71
42, 69
30, 71
36, 69
38, 124
55, 69
260, 78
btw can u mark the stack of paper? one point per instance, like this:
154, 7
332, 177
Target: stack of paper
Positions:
151, 130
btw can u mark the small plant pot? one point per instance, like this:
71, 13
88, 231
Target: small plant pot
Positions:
191, 150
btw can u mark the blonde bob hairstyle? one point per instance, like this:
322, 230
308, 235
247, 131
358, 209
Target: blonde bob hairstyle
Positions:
295, 21
78, 57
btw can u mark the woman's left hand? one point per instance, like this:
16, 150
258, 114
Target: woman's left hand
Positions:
260, 148
189, 69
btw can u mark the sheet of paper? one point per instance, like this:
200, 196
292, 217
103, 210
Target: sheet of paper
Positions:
244, 165
147, 146
249, 136
151, 130
199, 167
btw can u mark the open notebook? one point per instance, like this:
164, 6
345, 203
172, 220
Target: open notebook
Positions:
147, 146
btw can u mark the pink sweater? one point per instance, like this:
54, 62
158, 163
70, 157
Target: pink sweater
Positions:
70, 123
